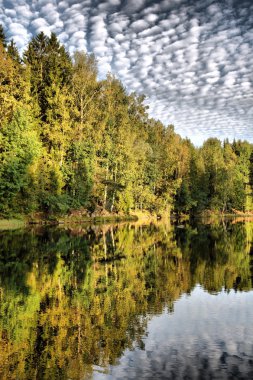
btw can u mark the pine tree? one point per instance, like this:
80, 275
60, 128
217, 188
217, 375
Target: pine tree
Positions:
3, 40
12, 51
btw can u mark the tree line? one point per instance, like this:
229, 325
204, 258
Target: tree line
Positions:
71, 141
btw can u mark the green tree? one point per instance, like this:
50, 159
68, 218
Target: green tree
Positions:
12, 51
3, 40
20, 146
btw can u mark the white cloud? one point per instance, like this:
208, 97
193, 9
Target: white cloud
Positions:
134, 5
139, 25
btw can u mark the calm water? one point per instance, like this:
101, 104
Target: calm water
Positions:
127, 302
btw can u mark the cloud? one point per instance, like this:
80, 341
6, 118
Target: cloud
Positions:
133, 6
193, 60
139, 25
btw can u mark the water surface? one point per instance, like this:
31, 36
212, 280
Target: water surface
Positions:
127, 302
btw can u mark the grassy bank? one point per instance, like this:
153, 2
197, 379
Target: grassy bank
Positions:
12, 224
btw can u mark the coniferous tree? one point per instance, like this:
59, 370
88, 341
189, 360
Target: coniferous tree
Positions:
3, 40
12, 51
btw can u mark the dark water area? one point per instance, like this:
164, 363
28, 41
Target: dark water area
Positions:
127, 301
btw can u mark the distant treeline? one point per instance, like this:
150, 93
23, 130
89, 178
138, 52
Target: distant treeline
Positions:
70, 141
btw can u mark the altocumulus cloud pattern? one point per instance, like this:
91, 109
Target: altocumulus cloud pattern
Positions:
192, 58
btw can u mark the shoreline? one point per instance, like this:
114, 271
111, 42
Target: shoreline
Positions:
25, 221
53, 220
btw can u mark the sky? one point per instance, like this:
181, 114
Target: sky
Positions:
193, 59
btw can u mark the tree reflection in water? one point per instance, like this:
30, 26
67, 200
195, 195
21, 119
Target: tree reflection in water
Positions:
78, 297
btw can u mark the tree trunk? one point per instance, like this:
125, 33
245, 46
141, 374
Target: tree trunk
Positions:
106, 178
114, 190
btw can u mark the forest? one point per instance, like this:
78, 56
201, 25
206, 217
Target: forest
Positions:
70, 141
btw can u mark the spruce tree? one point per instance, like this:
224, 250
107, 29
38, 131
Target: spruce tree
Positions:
12, 51
3, 40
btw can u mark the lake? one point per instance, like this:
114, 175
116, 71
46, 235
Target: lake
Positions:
127, 301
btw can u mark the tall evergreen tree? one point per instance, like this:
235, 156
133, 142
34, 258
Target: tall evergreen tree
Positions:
3, 40
12, 51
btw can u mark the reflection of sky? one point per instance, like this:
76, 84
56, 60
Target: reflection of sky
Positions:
192, 58
207, 336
